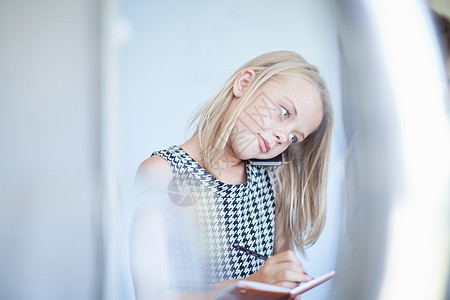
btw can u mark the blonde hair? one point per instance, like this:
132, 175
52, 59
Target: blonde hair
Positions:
301, 189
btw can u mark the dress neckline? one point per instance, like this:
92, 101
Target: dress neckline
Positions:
189, 157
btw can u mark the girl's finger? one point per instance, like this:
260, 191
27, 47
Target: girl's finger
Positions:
289, 276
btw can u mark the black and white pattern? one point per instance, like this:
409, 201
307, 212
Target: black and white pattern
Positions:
226, 214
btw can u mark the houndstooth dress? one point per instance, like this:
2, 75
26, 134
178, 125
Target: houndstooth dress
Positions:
225, 213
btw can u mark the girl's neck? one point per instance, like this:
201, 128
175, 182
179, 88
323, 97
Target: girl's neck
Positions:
227, 168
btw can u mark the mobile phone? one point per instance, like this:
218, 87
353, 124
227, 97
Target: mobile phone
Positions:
276, 161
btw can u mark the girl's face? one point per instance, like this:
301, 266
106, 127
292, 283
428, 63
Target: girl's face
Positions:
280, 113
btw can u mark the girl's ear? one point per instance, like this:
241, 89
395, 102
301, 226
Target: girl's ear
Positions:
242, 82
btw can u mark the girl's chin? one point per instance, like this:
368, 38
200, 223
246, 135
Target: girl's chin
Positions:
260, 157
247, 155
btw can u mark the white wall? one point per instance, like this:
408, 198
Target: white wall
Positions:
49, 130
179, 54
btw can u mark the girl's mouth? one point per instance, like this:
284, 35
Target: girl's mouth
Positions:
263, 144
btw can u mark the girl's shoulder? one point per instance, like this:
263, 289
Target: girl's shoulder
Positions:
154, 169
155, 164
161, 163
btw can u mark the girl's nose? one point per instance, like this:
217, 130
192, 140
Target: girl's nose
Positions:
280, 137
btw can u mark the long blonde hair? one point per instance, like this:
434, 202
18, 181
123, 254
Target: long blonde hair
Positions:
301, 189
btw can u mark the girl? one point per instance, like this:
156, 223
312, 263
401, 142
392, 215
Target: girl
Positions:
276, 103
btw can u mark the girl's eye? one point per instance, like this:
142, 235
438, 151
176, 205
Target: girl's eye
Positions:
284, 112
292, 138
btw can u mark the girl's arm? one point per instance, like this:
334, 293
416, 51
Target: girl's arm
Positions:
148, 240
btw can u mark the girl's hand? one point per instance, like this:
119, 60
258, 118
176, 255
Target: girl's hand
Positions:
282, 269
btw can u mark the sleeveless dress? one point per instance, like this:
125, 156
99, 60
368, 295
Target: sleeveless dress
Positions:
225, 213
